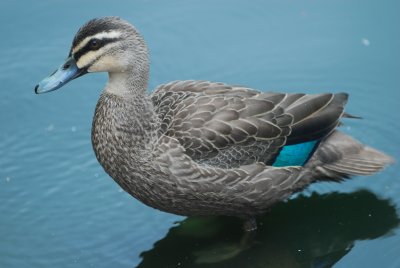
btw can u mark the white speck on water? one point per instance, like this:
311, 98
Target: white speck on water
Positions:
365, 42
73, 129
299, 250
8, 179
369, 215
50, 127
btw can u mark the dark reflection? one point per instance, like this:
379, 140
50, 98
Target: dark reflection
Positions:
313, 231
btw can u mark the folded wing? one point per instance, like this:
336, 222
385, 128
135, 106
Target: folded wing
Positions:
229, 126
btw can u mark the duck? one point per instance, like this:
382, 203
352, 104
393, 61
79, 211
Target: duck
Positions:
200, 148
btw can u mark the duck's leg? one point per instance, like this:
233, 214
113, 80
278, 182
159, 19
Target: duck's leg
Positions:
250, 225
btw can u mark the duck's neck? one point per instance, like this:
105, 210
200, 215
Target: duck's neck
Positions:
129, 82
125, 126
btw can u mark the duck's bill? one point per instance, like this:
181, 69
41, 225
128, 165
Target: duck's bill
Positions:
67, 72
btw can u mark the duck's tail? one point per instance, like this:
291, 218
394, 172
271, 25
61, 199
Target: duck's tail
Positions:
339, 156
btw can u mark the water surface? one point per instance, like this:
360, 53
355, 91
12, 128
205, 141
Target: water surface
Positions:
59, 209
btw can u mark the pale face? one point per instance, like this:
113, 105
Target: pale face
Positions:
100, 52
102, 45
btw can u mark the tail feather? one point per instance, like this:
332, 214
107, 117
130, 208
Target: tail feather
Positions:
347, 115
366, 162
340, 156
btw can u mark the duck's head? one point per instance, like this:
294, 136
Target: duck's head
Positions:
107, 44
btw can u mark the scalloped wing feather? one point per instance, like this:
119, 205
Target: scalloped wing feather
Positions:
229, 126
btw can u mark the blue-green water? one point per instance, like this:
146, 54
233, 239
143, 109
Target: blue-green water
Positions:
59, 209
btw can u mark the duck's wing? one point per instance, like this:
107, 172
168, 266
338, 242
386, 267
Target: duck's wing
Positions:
235, 125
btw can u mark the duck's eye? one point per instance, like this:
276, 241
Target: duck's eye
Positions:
94, 44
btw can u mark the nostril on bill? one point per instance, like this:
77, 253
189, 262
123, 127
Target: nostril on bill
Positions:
66, 66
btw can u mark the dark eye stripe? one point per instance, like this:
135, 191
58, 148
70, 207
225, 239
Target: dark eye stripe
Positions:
87, 47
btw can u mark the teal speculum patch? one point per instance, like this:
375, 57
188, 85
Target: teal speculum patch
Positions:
296, 154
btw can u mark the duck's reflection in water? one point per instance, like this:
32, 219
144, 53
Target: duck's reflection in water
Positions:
313, 231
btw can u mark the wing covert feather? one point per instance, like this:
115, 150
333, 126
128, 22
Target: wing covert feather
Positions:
218, 123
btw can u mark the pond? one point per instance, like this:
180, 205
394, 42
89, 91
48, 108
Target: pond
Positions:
60, 209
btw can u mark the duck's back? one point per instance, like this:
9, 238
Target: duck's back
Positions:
230, 126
